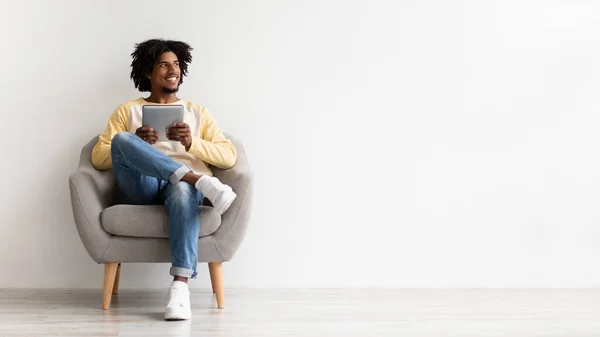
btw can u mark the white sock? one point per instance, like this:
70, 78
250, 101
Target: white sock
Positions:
201, 184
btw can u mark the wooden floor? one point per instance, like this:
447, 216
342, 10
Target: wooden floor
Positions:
320, 313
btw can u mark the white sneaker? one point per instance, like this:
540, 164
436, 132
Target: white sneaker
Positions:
178, 305
219, 194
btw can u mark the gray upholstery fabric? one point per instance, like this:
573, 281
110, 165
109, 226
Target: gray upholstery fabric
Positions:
128, 249
234, 222
151, 221
92, 192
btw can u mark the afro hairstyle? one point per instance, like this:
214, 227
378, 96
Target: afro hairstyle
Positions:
145, 56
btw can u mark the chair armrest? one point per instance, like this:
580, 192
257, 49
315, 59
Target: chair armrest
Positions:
91, 192
234, 221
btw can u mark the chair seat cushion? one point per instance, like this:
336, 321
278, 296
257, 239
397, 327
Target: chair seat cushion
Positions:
151, 221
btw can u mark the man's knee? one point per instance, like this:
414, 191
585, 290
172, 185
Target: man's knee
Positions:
119, 142
122, 138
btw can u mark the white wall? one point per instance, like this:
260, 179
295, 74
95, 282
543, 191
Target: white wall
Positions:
397, 144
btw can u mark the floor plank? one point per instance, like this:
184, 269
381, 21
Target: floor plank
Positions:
307, 312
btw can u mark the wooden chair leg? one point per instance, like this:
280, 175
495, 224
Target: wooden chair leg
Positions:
110, 271
212, 276
216, 278
117, 277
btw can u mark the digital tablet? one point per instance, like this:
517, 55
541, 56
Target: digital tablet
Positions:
161, 117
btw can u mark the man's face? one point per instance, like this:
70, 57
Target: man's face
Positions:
166, 73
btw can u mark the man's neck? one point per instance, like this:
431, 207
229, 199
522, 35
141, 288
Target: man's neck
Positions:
162, 98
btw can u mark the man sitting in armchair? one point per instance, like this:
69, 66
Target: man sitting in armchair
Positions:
149, 170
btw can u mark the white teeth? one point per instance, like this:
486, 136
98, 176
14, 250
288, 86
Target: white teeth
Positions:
172, 79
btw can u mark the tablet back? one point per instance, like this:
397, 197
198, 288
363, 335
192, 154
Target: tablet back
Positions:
161, 117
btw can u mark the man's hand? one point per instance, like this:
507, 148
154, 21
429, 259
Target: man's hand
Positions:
147, 134
181, 133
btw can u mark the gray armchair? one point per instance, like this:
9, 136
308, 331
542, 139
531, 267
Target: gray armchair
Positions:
113, 234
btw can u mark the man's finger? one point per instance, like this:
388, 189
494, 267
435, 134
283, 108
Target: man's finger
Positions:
148, 134
180, 125
145, 129
178, 130
178, 135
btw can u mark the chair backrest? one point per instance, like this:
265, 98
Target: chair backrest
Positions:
104, 180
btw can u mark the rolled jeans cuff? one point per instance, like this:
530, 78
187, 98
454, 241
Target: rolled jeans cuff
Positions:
178, 174
183, 272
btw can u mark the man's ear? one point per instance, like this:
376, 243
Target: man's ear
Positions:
148, 76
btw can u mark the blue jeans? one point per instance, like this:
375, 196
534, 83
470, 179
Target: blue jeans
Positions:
146, 176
